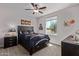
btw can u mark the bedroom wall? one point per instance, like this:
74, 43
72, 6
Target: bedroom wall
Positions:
62, 31
9, 14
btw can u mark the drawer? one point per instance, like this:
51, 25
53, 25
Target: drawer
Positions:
10, 41
14, 40
12, 44
9, 45
10, 37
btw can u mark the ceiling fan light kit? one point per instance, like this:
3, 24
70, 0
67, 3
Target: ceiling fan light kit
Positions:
36, 11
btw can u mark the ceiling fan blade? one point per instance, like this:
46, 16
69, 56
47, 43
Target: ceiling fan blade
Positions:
33, 12
33, 4
41, 12
36, 6
29, 9
42, 8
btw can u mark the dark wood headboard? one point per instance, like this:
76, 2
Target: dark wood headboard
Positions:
22, 29
25, 29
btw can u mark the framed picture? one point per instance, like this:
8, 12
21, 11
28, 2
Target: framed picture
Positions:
69, 22
40, 27
25, 22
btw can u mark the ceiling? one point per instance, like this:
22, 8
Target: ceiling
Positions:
19, 8
51, 7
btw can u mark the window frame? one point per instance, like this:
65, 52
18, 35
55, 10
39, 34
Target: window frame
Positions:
49, 19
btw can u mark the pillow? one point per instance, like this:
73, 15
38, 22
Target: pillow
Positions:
20, 32
26, 32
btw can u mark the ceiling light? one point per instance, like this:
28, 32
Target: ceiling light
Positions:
36, 11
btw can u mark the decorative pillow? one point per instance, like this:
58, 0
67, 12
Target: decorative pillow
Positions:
20, 32
26, 32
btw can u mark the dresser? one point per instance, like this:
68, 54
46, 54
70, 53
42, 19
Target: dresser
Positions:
10, 39
70, 47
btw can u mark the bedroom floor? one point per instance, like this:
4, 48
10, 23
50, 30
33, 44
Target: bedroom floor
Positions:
51, 50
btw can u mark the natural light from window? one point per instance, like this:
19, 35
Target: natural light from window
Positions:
51, 26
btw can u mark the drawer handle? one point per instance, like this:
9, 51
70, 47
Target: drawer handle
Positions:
10, 39
10, 44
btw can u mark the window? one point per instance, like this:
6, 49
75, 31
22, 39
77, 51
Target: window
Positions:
51, 26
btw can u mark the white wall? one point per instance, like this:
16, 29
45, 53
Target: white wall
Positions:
12, 14
62, 31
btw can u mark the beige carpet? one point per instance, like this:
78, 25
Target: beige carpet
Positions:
51, 50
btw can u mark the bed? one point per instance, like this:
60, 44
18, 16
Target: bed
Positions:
30, 40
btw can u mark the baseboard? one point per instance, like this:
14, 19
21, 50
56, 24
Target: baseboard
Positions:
54, 44
1, 46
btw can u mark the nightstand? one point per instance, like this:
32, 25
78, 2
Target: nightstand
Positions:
10, 41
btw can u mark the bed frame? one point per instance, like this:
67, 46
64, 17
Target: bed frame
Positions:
34, 49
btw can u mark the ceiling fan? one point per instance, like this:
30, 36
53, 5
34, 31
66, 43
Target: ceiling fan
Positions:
36, 8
